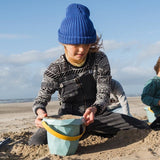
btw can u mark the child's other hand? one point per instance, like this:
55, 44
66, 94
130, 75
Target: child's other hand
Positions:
41, 114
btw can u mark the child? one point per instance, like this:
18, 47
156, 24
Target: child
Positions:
151, 94
82, 78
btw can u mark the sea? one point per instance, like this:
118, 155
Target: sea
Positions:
21, 100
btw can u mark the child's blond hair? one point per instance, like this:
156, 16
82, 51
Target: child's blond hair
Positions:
95, 47
157, 66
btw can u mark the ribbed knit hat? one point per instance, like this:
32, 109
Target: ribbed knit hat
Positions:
77, 28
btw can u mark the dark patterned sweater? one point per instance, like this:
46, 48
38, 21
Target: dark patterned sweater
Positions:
79, 87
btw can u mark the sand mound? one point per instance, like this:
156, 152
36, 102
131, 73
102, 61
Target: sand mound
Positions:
124, 144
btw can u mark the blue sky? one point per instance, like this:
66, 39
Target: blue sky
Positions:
29, 43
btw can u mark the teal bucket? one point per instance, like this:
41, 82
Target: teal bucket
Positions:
63, 133
150, 114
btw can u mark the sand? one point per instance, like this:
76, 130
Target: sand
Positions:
17, 122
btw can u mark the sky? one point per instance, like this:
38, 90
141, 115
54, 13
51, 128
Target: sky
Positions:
29, 41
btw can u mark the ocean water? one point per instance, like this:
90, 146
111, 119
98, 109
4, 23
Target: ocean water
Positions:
20, 100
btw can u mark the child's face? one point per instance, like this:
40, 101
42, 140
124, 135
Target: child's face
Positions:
76, 53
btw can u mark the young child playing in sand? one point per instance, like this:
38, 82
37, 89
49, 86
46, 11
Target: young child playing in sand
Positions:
151, 94
82, 78
151, 91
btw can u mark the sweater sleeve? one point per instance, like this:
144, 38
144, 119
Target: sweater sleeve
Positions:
148, 94
119, 92
48, 87
103, 82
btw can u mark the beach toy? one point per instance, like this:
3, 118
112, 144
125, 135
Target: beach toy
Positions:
63, 133
150, 114
5, 141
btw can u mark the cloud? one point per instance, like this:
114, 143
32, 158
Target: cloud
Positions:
133, 74
133, 78
14, 36
112, 45
20, 81
132, 63
32, 56
21, 74
150, 51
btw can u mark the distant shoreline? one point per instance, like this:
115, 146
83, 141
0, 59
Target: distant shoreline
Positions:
21, 100
24, 100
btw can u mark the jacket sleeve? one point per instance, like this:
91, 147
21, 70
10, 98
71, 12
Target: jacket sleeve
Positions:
48, 87
119, 92
103, 82
148, 94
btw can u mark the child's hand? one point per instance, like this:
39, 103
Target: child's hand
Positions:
41, 114
89, 115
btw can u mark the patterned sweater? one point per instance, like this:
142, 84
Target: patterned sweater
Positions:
82, 86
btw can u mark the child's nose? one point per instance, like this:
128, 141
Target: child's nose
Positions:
81, 48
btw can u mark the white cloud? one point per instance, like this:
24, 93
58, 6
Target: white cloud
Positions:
24, 58
112, 45
14, 36
151, 51
54, 52
32, 56
19, 81
21, 74
135, 74
134, 68
4, 71
133, 78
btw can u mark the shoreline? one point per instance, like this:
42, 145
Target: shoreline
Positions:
136, 107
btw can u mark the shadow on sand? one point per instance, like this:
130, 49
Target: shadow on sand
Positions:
122, 139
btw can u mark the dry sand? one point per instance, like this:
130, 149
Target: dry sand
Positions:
17, 122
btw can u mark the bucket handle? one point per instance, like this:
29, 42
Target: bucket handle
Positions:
149, 108
61, 136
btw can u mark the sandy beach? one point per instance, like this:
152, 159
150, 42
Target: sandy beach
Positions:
17, 122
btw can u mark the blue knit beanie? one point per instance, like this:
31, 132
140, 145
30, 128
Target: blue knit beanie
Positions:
77, 28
